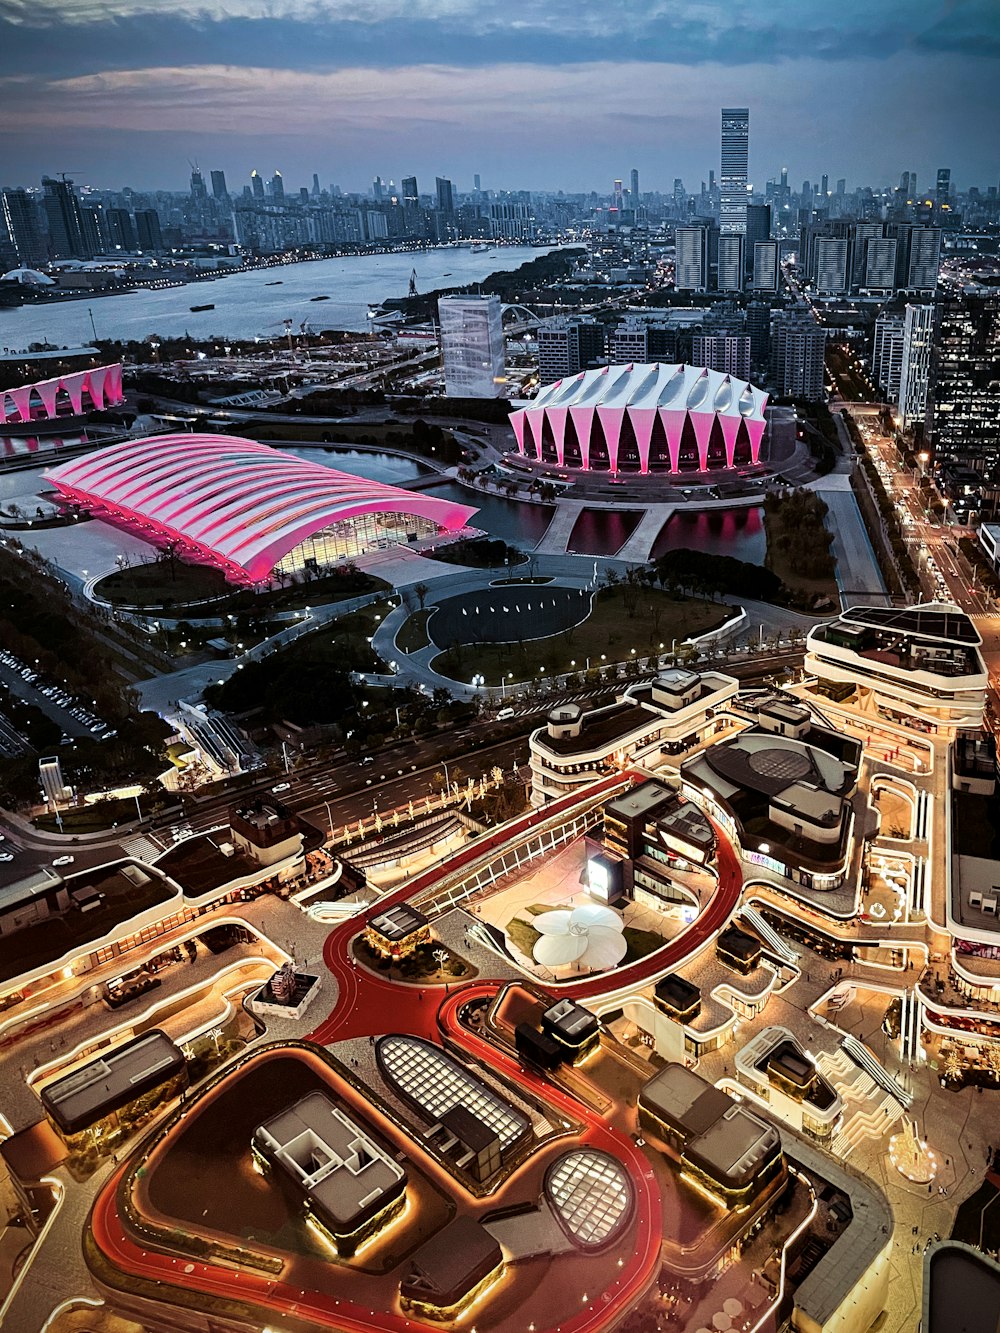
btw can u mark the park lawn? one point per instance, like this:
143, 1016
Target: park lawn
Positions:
413, 635
608, 634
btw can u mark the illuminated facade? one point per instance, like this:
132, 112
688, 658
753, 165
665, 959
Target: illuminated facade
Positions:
67, 396
245, 508
652, 418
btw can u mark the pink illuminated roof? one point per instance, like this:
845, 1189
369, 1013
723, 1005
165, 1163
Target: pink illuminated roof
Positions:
86, 391
239, 504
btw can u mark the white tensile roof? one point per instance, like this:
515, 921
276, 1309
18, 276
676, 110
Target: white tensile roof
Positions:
655, 385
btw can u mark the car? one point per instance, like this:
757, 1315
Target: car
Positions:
64, 860
282, 786
368, 759
6, 856
505, 714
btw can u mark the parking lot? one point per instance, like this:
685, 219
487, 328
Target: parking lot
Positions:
75, 718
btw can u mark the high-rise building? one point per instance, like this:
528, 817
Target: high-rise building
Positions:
20, 216
635, 186
862, 233
924, 259
257, 184
511, 221
680, 198
147, 226
219, 190
758, 227
887, 355
198, 191
963, 395
798, 346
731, 262
735, 164
766, 269
62, 209
617, 198
942, 191
727, 353
316, 191
445, 192
567, 345
121, 231
476, 184
472, 346
831, 263
880, 264
758, 328
824, 188
410, 196
918, 327
692, 247
277, 187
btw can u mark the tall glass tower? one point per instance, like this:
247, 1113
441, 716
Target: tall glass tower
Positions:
733, 177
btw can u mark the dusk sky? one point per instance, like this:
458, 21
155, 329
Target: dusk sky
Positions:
530, 93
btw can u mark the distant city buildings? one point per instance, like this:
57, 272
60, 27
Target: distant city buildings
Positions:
798, 346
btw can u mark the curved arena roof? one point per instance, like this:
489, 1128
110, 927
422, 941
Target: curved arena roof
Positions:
581, 421
231, 502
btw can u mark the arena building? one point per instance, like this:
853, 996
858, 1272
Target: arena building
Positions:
61, 399
644, 418
245, 508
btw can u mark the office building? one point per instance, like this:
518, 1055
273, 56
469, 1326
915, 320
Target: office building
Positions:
276, 188
634, 186
411, 198
733, 175
445, 193
121, 229
728, 353
219, 190
887, 356
880, 264
67, 239
257, 185
567, 345
472, 345
766, 266
963, 400
20, 216
511, 221
758, 226
942, 192
798, 346
147, 226
918, 328
731, 262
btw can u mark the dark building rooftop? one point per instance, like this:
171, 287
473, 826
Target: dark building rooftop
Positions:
449, 1265
78, 1100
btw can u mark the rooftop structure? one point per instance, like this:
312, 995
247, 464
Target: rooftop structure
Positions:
666, 715
778, 1071
592, 1197
958, 1277
920, 664
644, 418
117, 1077
346, 1180
245, 508
398, 930
725, 1148
451, 1269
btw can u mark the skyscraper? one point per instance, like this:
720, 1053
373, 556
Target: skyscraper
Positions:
634, 187
797, 355
925, 259
476, 184
766, 271
315, 186
277, 187
617, 196
727, 353
731, 262
409, 188
887, 355
198, 192
62, 209
943, 190
445, 195
567, 345
257, 184
21, 220
831, 263
735, 163
121, 231
963, 397
918, 325
691, 259
219, 190
472, 346
147, 226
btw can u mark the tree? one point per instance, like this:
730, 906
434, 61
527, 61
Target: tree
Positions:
421, 589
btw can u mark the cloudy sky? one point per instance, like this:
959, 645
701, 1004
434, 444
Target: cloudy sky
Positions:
529, 93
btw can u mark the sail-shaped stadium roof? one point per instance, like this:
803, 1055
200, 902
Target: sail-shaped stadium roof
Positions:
230, 502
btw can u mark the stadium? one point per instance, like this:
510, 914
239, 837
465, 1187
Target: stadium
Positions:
70, 396
244, 508
644, 418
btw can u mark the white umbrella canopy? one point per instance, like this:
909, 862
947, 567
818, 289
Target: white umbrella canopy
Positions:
590, 935
560, 950
721, 1321
732, 1307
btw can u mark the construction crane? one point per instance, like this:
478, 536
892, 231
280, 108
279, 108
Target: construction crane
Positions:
413, 283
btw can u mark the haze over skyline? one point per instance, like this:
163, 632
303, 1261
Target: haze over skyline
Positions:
566, 95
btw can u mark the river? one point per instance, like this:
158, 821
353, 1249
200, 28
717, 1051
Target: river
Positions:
256, 303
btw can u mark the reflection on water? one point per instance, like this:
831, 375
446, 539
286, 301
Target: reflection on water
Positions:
603, 531
21, 446
735, 532
522, 525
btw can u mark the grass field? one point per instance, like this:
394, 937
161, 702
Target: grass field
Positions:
413, 636
160, 585
607, 635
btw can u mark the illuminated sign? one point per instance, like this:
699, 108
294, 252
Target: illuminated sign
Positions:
599, 880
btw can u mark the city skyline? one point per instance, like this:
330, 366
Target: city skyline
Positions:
124, 93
